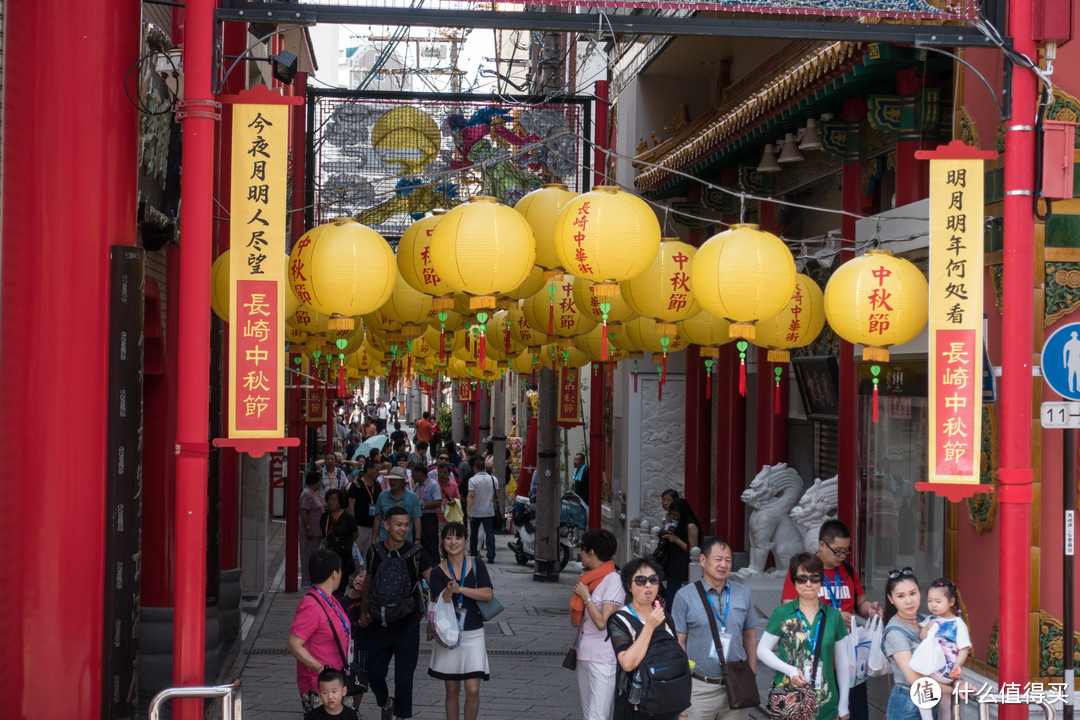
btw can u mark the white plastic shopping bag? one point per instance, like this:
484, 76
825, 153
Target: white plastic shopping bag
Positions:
443, 624
877, 663
858, 651
928, 658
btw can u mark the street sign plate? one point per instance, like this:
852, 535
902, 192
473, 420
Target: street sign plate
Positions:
1061, 362
1060, 415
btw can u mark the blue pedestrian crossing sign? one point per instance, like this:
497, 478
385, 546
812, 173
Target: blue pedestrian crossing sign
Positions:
1061, 361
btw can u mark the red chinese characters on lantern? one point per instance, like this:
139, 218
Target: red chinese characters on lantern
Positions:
956, 430
257, 356
879, 321
580, 256
569, 397
428, 274
794, 328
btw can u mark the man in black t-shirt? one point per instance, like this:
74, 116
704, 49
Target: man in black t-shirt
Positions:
399, 638
362, 496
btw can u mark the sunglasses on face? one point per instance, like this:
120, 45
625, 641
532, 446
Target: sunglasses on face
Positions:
906, 572
811, 578
642, 581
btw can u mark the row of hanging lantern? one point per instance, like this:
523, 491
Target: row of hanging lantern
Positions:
564, 279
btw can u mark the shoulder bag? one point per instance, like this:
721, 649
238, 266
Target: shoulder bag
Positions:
355, 676
739, 678
489, 609
497, 522
789, 702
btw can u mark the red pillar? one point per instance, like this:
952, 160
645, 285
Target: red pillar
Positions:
730, 449
851, 192
1019, 328
697, 470
69, 193
596, 442
196, 191
912, 175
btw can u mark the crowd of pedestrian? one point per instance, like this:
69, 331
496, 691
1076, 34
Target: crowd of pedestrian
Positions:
386, 533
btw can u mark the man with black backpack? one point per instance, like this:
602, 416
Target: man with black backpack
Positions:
391, 608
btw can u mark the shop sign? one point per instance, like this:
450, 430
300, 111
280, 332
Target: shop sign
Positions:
568, 414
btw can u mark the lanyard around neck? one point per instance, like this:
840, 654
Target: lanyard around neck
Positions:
336, 607
727, 606
835, 597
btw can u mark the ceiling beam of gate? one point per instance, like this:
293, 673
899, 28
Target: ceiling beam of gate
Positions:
275, 12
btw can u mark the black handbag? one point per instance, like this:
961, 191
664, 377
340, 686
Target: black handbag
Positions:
739, 678
355, 677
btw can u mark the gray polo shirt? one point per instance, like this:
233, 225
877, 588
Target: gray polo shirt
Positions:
688, 613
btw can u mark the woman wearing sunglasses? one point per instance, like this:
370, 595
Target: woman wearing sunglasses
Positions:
634, 630
808, 632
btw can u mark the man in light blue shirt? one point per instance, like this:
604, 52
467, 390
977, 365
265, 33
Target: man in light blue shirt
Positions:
732, 607
398, 496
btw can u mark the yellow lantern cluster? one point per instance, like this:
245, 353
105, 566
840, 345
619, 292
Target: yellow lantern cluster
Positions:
640, 334
483, 249
795, 326
541, 210
663, 291
591, 344
523, 332
554, 357
557, 311
342, 269
409, 308
877, 300
743, 275
606, 236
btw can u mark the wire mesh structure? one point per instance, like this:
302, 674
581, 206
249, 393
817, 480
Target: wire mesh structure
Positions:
911, 9
390, 158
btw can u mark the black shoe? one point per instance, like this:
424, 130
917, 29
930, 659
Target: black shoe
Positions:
388, 712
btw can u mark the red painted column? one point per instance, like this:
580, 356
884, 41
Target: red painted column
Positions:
234, 39
196, 191
697, 471
851, 192
912, 175
596, 441
730, 449
1018, 326
69, 154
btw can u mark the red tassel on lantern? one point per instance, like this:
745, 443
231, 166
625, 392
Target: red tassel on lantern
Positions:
551, 317
708, 384
341, 380
506, 336
603, 342
408, 372
875, 402
742, 378
776, 401
482, 353
635, 380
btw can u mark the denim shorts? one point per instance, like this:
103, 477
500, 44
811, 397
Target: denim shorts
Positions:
900, 706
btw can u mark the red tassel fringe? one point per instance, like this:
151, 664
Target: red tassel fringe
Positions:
708, 385
603, 343
506, 336
875, 403
482, 353
635, 381
776, 401
742, 378
341, 380
551, 318
442, 346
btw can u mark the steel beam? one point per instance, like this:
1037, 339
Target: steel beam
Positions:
933, 35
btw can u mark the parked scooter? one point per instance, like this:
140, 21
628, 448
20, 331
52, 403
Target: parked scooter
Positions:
573, 521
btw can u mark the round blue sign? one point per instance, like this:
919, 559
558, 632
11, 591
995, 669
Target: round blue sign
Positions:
1061, 361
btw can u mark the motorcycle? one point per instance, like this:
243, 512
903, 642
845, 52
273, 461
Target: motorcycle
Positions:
573, 522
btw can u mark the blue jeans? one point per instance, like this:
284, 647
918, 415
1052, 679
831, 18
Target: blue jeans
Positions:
489, 533
900, 706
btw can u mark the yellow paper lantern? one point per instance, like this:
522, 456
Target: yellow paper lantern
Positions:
795, 326
353, 339
590, 344
522, 332
618, 311
706, 330
427, 345
877, 300
294, 336
408, 307
362, 359
483, 249
525, 362
307, 320
662, 292
554, 357
743, 275
532, 285
606, 236
640, 334
219, 289
501, 343
541, 209
342, 269
414, 257
566, 319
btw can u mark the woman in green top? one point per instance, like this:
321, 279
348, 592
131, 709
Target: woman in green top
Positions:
797, 627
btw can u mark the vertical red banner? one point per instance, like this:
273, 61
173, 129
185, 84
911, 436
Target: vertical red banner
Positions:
568, 413
259, 349
957, 398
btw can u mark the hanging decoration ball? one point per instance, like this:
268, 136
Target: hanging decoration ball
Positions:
414, 257
662, 292
563, 318
342, 269
606, 236
743, 275
877, 300
640, 334
219, 289
706, 330
795, 326
408, 307
591, 343
554, 357
484, 249
522, 331
525, 362
541, 209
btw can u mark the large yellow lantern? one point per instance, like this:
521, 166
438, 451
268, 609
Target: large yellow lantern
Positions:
591, 343
640, 334
525, 362
483, 249
219, 289
662, 292
795, 326
408, 307
532, 285
541, 209
426, 345
706, 330
342, 269
618, 310
554, 357
501, 343
557, 313
522, 332
414, 257
307, 320
743, 275
877, 300
606, 236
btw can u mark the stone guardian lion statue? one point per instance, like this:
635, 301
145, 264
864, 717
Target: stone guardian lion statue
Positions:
817, 506
772, 495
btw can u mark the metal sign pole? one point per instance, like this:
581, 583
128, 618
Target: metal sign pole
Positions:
1069, 502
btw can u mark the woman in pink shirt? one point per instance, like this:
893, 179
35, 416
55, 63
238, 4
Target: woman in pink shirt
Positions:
320, 626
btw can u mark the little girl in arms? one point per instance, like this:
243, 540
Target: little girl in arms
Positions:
951, 634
